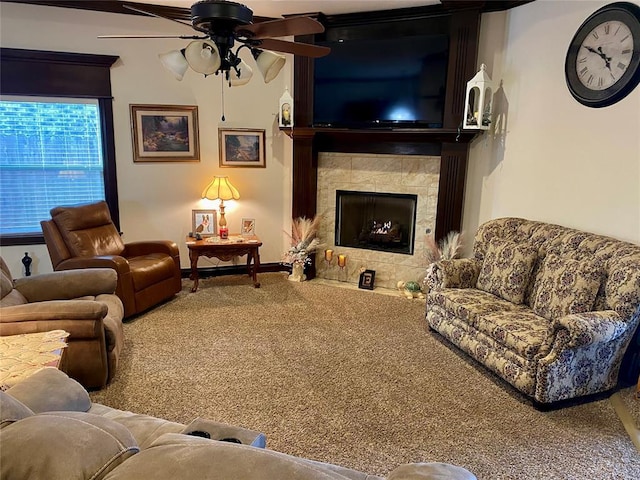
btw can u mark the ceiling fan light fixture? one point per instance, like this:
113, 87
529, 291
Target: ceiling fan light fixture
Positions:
203, 57
175, 62
269, 63
245, 74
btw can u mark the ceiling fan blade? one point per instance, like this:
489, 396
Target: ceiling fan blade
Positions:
284, 27
139, 10
184, 37
302, 49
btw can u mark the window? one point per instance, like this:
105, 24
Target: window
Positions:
56, 138
50, 155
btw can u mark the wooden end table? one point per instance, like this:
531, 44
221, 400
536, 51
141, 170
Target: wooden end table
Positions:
225, 250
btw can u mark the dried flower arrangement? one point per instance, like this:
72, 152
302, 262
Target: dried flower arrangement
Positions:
304, 240
448, 248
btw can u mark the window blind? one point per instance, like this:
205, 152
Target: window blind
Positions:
50, 155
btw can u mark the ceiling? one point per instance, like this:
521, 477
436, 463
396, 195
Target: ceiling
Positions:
278, 8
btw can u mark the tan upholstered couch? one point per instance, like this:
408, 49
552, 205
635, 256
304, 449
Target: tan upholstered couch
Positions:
81, 302
549, 309
50, 430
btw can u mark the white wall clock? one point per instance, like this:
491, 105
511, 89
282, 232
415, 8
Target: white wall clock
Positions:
602, 65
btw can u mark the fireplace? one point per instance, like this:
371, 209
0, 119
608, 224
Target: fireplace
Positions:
376, 221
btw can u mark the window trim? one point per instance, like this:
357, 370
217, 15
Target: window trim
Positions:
77, 75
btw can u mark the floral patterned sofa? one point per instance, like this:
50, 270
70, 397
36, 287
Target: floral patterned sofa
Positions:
549, 309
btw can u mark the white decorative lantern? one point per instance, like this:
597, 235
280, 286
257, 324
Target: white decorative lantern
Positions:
477, 110
285, 111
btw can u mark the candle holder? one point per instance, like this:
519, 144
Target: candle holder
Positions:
342, 263
328, 257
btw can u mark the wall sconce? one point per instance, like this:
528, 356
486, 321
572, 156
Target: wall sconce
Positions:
477, 110
285, 115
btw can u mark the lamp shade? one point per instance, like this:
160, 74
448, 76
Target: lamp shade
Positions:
220, 189
203, 57
245, 75
269, 63
175, 62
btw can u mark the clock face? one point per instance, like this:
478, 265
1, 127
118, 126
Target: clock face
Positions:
598, 70
603, 61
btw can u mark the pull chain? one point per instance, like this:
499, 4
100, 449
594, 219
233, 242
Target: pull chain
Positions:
222, 97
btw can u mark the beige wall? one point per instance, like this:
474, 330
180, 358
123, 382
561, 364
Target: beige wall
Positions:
555, 160
156, 199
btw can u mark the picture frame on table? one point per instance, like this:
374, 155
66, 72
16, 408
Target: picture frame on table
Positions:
204, 222
367, 279
165, 133
242, 147
248, 228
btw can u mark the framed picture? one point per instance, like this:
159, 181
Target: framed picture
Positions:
366, 279
241, 147
248, 227
204, 222
165, 133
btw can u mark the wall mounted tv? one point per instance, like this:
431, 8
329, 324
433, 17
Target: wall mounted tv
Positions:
389, 75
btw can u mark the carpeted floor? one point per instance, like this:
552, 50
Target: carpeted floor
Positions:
354, 378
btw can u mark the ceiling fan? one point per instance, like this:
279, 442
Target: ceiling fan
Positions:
224, 23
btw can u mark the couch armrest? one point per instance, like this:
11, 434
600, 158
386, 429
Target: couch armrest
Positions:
53, 310
67, 285
135, 249
49, 390
456, 273
115, 262
590, 328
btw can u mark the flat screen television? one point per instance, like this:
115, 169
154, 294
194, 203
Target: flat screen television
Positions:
390, 80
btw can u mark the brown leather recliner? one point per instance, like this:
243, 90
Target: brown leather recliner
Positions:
84, 236
80, 302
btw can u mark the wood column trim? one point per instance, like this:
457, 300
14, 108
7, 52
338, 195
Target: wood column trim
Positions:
453, 173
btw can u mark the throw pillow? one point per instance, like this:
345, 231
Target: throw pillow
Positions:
566, 286
506, 269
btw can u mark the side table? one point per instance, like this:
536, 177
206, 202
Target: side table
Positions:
225, 250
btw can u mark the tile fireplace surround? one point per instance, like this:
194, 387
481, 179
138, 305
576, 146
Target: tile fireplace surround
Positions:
413, 174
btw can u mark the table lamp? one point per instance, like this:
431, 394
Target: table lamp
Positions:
221, 189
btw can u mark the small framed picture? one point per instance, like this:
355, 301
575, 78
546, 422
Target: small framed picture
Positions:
248, 227
366, 279
204, 222
165, 133
241, 147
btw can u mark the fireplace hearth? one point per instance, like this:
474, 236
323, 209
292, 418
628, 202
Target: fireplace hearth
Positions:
376, 221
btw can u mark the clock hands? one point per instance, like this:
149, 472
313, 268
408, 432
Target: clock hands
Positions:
601, 54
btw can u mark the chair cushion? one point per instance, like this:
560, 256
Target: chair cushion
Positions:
88, 230
521, 331
468, 304
506, 269
147, 270
565, 286
184, 457
69, 445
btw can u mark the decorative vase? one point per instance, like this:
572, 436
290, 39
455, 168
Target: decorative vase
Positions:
297, 273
